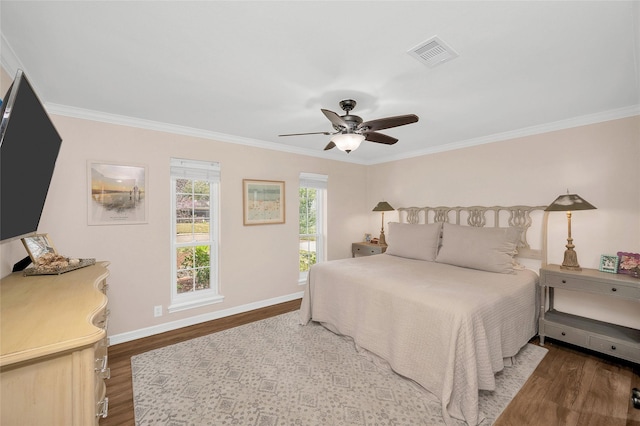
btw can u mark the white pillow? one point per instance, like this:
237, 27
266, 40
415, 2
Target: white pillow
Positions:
487, 249
414, 241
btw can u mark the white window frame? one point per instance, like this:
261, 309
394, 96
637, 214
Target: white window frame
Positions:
196, 170
318, 182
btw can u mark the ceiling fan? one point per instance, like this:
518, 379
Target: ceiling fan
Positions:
351, 130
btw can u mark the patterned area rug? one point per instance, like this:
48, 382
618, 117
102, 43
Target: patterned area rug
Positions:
277, 372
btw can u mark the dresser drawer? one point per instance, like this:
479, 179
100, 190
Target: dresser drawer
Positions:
620, 350
565, 333
577, 283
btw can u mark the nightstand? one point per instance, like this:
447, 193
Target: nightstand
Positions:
367, 249
600, 336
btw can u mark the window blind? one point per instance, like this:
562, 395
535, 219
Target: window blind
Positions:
313, 180
194, 169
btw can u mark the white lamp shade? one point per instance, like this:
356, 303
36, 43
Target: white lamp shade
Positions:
347, 141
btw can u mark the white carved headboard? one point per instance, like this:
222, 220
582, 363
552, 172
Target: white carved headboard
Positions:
530, 219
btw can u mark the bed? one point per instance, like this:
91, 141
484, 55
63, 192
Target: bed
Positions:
447, 305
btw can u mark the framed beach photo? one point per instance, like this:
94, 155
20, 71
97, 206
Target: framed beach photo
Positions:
629, 263
609, 263
263, 202
117, 193
37, 245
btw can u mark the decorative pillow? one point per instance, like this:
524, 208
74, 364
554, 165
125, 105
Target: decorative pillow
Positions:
414, 241
487, 249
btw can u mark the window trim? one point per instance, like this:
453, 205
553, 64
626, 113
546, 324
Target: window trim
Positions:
196, 170
318, 182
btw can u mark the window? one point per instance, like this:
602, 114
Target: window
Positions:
194, 233
313, 195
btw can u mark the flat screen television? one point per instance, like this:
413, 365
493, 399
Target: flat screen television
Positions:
29, 146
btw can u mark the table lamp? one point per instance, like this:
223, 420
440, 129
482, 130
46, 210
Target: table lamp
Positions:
568, 203
382, 206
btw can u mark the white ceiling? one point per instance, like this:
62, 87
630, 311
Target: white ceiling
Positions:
247, 71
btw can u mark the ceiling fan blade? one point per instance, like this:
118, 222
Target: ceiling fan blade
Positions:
329, 146
313, 133
335, 119
379, 138
387, 123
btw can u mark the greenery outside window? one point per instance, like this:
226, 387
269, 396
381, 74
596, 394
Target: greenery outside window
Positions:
194, 233
312, 202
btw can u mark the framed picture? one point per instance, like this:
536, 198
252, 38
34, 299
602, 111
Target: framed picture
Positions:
609, 263
629, 263
37, 245
117, 193
263, 202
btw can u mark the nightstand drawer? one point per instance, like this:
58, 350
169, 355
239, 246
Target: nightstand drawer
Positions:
577, 283
367, 249
618, 349
566, 334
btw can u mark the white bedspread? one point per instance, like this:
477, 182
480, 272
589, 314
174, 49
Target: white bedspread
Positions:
447, 328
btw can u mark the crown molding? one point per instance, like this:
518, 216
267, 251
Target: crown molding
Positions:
8, 59
630, 111
619, 113
189, 131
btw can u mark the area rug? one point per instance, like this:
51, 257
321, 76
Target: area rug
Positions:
277, 372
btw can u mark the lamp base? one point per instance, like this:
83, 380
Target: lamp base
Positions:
571, 268
570, 260
382, 239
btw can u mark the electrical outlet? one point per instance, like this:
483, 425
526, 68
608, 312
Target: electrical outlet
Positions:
157, 311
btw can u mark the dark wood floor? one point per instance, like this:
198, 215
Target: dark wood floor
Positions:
570, 387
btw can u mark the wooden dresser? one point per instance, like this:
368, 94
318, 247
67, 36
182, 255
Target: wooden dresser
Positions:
53, 348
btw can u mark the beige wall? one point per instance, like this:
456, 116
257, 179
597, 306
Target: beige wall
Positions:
257, 263
600, 162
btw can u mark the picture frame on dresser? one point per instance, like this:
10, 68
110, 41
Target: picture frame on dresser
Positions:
628, 263
38, 245
609, 263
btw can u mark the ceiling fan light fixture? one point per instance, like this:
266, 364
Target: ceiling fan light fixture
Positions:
351, 130
348, 142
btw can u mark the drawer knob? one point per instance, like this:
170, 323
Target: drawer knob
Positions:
613, 348
563, 333
564, 281
614, 289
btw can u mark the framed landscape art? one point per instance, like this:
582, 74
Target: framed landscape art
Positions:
263, 202
117, 193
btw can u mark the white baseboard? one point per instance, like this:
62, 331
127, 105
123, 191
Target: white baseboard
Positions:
174, 325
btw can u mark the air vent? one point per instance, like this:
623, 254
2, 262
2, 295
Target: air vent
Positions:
433, 52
